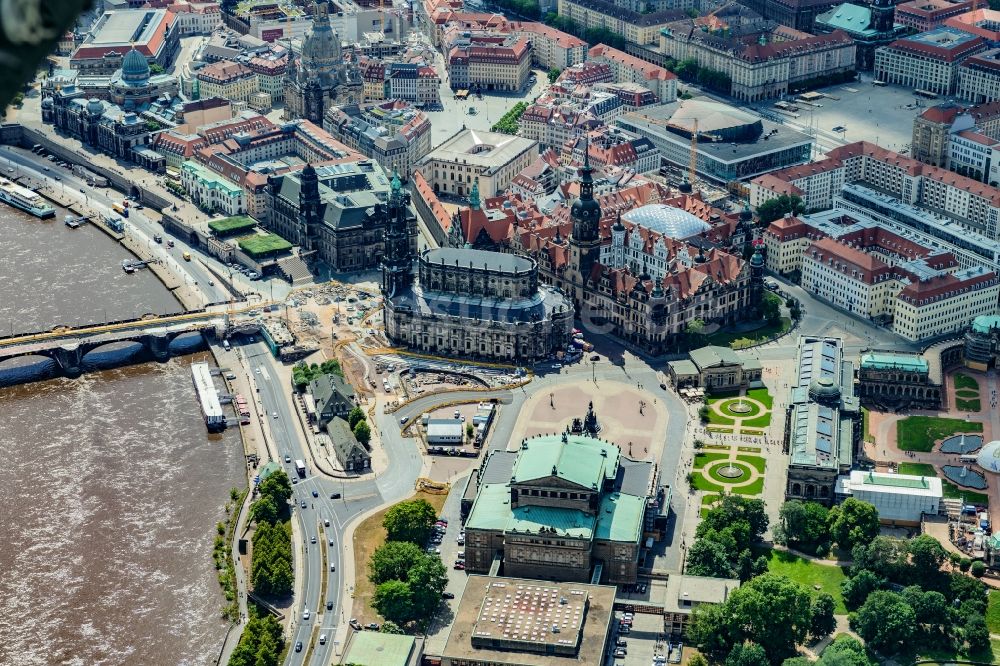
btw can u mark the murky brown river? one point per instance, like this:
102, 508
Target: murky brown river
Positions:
110, 485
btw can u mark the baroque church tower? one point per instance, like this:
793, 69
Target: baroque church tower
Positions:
397, 262
585, 239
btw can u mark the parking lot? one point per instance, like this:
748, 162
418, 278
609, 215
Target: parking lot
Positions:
641, 645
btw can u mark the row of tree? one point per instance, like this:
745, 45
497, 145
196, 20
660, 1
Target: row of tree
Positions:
528, 9
508, 122
690, 71
590, 35
359, 424
408, 582
812, 528
260, 643
304, 373
271, 561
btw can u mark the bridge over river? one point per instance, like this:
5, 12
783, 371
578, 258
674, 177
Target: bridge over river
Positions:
67, 346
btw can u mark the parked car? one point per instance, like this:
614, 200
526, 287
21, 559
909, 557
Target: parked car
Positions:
447, 595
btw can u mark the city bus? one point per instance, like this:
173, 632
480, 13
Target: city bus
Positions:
120, 209
925, 93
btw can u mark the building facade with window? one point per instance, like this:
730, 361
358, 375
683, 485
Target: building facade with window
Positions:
470, 156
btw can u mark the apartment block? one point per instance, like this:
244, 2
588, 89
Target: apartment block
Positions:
928, 61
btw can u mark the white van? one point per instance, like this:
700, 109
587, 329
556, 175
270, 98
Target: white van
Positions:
322, 639
225, 345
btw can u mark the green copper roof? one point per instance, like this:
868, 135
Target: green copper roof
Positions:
985, 323
491, 510
620, 518
872, 479
566, 522
850, 18
370, 648
889, 361
583, 461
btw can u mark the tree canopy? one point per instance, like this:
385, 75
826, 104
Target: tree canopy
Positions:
302, 373
770, 610
803, 525
363, 432
885, 621
853, 522
724, 537
260, 643
356, 415
393, 560
411, 520
772, 209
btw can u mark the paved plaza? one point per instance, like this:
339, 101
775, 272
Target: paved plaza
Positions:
868, 113
639, 433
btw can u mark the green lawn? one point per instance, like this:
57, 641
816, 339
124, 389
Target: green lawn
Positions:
751, 449
809, 574
718, 419
917, 469
701, 459
918, 433
963, 381
228, 225
756, 461
755, 488
968, 405
736, 340
715, 474
761, 395
758, 422
993, 612
708, 500
262, 244
952, 491
701, 482
727, 408
868, 437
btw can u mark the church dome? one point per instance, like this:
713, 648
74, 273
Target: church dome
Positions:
989, 457
667, 220
95, 107
824, 389
134, 67
321, 48
757, 259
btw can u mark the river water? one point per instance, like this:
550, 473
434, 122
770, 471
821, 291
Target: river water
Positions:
111, 486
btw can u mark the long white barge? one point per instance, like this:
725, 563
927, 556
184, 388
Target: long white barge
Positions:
208, 395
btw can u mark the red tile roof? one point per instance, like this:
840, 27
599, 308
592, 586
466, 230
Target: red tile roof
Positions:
649, 70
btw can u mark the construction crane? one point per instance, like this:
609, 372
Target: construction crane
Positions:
693, 163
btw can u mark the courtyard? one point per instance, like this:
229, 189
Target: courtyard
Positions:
939, 444
720, 469
748, 414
